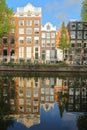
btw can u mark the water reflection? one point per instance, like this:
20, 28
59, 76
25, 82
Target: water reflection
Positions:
39, 103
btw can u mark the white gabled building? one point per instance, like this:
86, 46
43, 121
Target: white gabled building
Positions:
48, 42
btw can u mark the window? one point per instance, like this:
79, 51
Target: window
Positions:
48, 27
85, 45
21, 39
29, 22
73, 34
28, 40
21, 101
28, 93
43, 55
52, 35
36, 22
28, 109
21, 22
12, 39
35, 103
4, 40
4, 52
72, 45
53, 41
73, 26
28, 101
21, 52
21, 92
36, 30
85, 35
43, 42
21, 30
29, 31
36, 40
48, 43
48, 35
36, 53
36, 93
47, 54
43, 35
79, 35
28, 52
80, 26
12, 30
42, 90
78, 44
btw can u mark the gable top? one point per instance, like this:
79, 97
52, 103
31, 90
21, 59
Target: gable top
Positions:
29, 7
48, 27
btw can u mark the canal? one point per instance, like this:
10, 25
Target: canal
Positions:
43, 102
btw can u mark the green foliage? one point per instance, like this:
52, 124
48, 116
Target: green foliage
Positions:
84, 11
6, 15
63, 40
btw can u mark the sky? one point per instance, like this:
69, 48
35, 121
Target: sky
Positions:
54, 11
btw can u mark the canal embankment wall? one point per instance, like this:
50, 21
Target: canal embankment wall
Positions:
37, 68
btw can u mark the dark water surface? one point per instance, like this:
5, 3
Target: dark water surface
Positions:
43, 103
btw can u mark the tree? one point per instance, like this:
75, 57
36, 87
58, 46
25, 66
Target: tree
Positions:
84, 11
64, 38
6, 16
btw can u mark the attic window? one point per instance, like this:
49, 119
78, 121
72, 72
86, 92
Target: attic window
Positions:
48, 27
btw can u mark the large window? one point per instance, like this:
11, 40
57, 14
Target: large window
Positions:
36, 40
21, 39
21, 30
21, 22
36, 22
43, 54
29, 22
4, 52
29, 31
43, 34
73, 26
28, 93
36, 53
48, 35
85, 35
85, 45
52, 35
12, 39
73, 34
80, 26
28, 52
21, 52
79, 35
4, 40
36, 30
28, 40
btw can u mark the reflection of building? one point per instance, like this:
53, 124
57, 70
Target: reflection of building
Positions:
61, 87
23, 96
77, 95
28, 97
7, 90
47, 93
28, 120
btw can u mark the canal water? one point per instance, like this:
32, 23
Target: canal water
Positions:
43, 103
